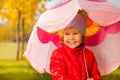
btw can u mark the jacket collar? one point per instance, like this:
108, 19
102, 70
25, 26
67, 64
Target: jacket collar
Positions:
72, 49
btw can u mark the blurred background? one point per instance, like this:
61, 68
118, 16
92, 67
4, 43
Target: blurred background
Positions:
17, 18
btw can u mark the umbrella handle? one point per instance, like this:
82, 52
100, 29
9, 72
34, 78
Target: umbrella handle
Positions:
86, 69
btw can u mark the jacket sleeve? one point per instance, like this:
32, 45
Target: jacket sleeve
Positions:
95, 72
58, 67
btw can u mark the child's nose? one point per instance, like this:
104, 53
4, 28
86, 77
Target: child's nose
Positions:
71, 37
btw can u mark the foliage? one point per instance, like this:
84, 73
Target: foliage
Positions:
23, 12
7, 33
28, 8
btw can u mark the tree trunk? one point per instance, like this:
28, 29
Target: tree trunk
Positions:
18, 35
23, 36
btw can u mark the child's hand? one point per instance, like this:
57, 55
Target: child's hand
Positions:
90, 79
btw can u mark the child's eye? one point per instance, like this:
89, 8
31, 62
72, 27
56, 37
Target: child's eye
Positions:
75, 33
66, 34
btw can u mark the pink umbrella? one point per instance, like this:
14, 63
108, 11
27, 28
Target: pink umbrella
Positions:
102, 36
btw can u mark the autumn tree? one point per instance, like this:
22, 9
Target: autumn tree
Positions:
21, 13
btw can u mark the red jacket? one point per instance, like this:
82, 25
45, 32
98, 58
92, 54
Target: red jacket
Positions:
68, 64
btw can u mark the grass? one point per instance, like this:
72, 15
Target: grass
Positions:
8, 50
22, 70
115, 75
19, 70
11, 69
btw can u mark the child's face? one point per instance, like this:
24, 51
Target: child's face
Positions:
72, 37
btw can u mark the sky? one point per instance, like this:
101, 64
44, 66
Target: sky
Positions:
53, 3
2, 21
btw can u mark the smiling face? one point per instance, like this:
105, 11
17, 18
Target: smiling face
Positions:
72, 37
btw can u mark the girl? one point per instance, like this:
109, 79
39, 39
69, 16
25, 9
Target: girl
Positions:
73, 61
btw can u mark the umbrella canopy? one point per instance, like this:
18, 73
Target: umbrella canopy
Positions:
102, 33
